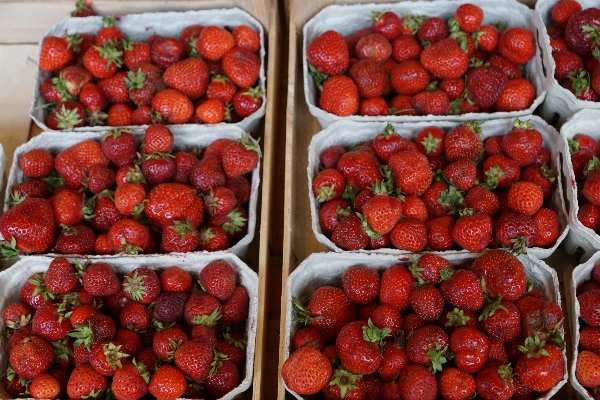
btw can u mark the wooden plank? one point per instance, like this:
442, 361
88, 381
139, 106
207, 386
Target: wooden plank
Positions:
28, 21
16, 81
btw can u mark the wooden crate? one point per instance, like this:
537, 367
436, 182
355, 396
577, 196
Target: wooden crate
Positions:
298, 238
23, 23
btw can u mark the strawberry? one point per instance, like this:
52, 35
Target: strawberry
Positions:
432, 31
175, 279
503, 273
225, 379
119, 115
173, 106
515, 230
129, 198
485, 85
308, 336
463, 290
566, 62
495, 381
36, 163
103, 60
382, 211
169, 306
588, 338
194, 359
588, 301
369, 78
158, 139
73, 161
501, 321
213, 239
470, 347
328, 53
31, 357
396, 287
241, 157
548, 227
468, 17
211, 111
218, 278
129, 236
525, 198
428, 346
540, 318
84, 381
361, 169
427, 302
586, 369
340, 96
49, 324
135, 316
517, 45
580, 31
589, 215
402, 105
431, 102
57, 52
542, 365
473, 230
167, 341
44, 386
360, 338
361, 284
374, 47
71, 79
79, 239
131, 381
563, 10
350, 234
461, 173
115, 88
189, 76
246, 38
29, 226
167, 383
235, 308
213, 42
241, 66
181, 237
445, 59
17, 315
169, 202
106, 357
411, 172
456, 384
386, 23
463, 141
158, 168
67, 115
142, 285
409, 77
522, 143
166, 51
100, 280
247, 102
306, 371
517, 95
409, 235
95, 102
109, 32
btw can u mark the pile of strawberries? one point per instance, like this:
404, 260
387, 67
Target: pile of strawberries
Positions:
206, 75
82, 332
442, 191
427, 330
575, 46
585, 162
121, 196
588, 358
419, 65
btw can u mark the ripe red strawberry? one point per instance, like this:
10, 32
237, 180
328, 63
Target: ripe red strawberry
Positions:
213, 42
586, 370
221, 88
396, 287
48, 324
468, 17
328, 53
411, 172
84, 380
351, 341
115, 88
463, 141
522, 143
119, 114
36, 163
158, 168
100, 280
129, 237
131, 381
103, 60
173, 106
142, 285
32, 188
563, 10
589, 215
361, 284
473, 230
590, 187
431, 102
169, 306
106, 357
445, 59
542, 365
307, 336
485, 85
470, 347
166, 51
31, 357
409, 77
369, 78
439, 233
382, 211
588, 338
402, 105
350, 234
432, 30
428, 346
67, 115
416, 382
517, 95
167, 341
566, 62
218, 278
190, 76
241, 66
99, 178
329, 310
158, 139
548, 227
516, 230
409, 235
225, 379
247, 102
56, 52
181, 237
44, 386
339, 96
169, 202
79, 239
241, 157
306, 371
525, 198
167, 382
235, 308
72, 162
374, 47
17, 315
246, 38
135, 316
486, 37
463, 290
456, 384
540, 318
495, 381
129, 198
67, 206
427, 302
461, 173
211, 111
517, 45
588, 301
387, 317
194, 359
386, 23
28, 227
71, 80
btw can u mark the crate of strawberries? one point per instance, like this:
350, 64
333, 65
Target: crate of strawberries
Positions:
581, 158
447, 60
443, 186
570, 51
128, 327
199, 67
584, 301
118, 192
424, 328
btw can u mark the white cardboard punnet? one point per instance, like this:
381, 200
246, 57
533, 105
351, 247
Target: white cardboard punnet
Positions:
186, 137
140, 27
13, 278
348, 19
581, 274
559, 101
349, 133
584, 121
327, 269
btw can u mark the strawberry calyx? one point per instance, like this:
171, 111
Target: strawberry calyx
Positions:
573, 146
318, 76
128, 248
254, 92
113, 355
208, 320
453, 26
548, 173
581, 81
19, 322
491, 308
93, 394
108, 21
68, 230
430, 143
452, 199
96, 118
135, 175
38, 281
457, 318
83, 334
111, 54
183, 228
493, 176
302, 315
501, 26
67, 119
16, 198
158, 156
415, 270
135, 80
73, 42
438, 356
520, 244
239, 343
343, 212
217, 362
218, 77
128, 44
475, 126
591, 165
446, 273
505, 372
388, 131
344, 380
350, 193
373, 334
250, 144
414, 22
380, 187
534, 347
61, 351
592, 32
159, 325
375, 17
206, 235
369, 231
139, 208
134, 285
82, 6
325, 193
235, 223
518, 124
60, 85
142, 370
